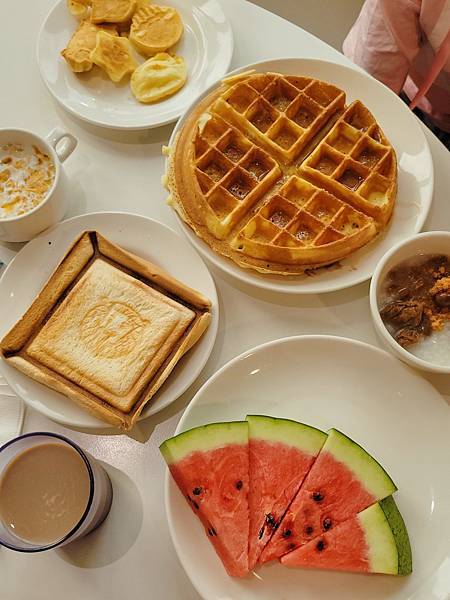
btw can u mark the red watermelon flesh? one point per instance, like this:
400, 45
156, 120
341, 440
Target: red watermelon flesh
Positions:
373, 541
281, 452
215, 483
331, 493
341, 549
277, 472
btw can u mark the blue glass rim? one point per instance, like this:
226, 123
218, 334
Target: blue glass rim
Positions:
91, 488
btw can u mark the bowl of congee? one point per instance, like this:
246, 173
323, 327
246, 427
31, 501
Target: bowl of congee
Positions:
410, 301
33, 186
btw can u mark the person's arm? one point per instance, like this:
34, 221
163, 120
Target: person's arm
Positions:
385, 39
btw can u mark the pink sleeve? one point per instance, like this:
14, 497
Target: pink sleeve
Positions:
384, 39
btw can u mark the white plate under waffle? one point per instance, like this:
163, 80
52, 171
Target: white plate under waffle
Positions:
394, 413
415, 180
206, 46
33, 265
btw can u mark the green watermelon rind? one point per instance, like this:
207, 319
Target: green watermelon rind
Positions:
365, 468
292, 433
380, 542
203, 439
386, 542
400, 534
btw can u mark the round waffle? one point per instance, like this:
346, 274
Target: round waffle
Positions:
278, 174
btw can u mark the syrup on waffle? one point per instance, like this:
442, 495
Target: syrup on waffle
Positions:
278, 174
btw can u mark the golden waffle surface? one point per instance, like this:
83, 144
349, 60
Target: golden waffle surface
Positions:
278, 174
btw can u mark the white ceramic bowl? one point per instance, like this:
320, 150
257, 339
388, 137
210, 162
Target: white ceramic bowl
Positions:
59, 145
430, 242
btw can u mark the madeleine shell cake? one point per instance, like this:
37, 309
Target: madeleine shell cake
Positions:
155, 28
112, 11
79, 8
159, 77
107, 329
78, 51
278, 174
113, 54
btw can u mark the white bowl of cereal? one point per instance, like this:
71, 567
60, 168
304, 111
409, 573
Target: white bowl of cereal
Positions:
33, 186
410, 301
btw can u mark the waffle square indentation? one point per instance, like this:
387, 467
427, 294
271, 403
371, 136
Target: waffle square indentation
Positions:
242, 97
279, 211
369, 154
305, 228
297, 191
239, 184
258, 163
323, 206
322, 93
280, 94
262, 115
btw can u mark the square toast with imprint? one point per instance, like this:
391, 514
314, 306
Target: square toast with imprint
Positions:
107, 329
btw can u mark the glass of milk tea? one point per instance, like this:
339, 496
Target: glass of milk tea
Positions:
51, 492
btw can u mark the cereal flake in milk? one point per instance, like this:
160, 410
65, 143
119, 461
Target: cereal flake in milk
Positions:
26, 175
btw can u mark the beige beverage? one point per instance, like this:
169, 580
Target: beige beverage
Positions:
44, 492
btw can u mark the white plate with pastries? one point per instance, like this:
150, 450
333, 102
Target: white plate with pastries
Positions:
206, 45
147, 239
414, 179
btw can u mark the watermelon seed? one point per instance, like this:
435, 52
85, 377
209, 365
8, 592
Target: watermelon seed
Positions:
317, 496
320, 545
270, 520
327, 523
193, 502
197, 491
239, 485
286, 533
261, 532
309, 530
212, 531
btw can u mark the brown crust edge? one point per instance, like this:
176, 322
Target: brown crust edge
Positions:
152, 272
77, 257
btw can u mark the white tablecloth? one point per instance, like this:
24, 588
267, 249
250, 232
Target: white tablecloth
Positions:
132, 555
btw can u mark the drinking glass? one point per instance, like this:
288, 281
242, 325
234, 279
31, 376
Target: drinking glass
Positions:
98, 504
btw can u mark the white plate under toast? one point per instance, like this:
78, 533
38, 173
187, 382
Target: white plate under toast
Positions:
33, 265
206, 46
415, 180
378, 401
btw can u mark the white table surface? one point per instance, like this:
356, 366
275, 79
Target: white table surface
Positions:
131, 555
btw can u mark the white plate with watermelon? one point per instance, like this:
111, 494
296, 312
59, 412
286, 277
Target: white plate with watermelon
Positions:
325, 382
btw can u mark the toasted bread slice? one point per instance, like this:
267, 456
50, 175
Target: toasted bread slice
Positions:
107, 329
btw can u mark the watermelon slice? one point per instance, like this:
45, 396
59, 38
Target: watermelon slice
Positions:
374, 541
281, 453
210, 466
343, 481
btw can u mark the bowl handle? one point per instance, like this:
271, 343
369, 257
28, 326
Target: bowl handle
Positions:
55, 136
